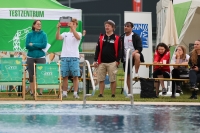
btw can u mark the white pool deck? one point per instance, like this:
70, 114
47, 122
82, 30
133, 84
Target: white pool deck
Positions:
99, 102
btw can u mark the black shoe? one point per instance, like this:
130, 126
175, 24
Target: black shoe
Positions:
194, 88
179, 90
173, 96
100, 95
40, 93
193, 97
113, 95
164, 91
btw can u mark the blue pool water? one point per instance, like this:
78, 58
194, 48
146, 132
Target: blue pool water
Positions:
51, 118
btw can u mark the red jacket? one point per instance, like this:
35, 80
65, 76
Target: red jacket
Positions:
101, 46
160, 58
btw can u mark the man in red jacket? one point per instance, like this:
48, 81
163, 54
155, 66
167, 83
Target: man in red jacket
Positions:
107, 56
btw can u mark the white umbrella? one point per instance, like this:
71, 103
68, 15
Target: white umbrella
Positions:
170, 36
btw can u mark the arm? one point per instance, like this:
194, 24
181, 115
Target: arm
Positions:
176, 61
58, 36
43, 44
138, 45
76, 35
96, 54
97, 51
73, 29
119, 51
28, 42
156, 58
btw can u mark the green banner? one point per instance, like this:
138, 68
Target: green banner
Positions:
13, 34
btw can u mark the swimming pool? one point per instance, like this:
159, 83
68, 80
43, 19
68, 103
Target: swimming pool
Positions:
76, 118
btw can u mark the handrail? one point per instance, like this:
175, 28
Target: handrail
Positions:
129, 55
86, 62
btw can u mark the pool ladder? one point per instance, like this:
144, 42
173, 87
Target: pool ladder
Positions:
86, 62
129, 56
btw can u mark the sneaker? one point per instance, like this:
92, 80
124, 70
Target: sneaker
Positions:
113, 95
100, 95
193, 97
179, 90
76, 97
164, 91
194, 88
64, 96
173, 96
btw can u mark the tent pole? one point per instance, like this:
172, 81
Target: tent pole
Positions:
69, 3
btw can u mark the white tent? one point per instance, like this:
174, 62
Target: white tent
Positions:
187, 16
170, 36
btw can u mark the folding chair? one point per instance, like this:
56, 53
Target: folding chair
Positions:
47, 76
11, 73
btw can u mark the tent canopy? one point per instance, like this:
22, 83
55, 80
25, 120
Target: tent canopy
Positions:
45, 4
16, 18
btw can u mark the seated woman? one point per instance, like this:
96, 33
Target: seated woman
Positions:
180, 57
161, 56
194, 73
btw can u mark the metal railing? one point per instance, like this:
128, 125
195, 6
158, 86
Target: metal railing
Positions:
129, 56
86, 63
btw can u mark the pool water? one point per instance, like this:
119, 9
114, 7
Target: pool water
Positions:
73, 118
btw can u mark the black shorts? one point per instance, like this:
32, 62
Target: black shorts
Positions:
124, 65
159, 72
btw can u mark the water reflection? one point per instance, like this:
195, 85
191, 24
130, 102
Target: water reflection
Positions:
99, 118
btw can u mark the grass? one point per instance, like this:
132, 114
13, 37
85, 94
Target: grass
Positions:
119, 97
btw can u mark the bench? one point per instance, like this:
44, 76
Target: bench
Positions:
156, 79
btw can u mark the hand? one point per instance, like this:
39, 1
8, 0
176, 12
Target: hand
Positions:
117, 63
84, 32
178, 54
196, 68
70, 24
30, 44
96, 64
58, 25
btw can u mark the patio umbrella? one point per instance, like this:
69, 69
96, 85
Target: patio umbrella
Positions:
170, 36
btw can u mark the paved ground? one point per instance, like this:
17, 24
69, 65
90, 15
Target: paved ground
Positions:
97, 102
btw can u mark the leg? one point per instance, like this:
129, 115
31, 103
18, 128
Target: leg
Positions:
175, 74
75, 71
75, 84
101, 87
128, 83
113, 87
65, 74
112, 72
193, 77
128, 74
157, 74
41, 61
164, 75
136, 62
102, 70
65, 84
30, 64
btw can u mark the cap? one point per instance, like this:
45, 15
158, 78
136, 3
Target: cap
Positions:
112, 23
